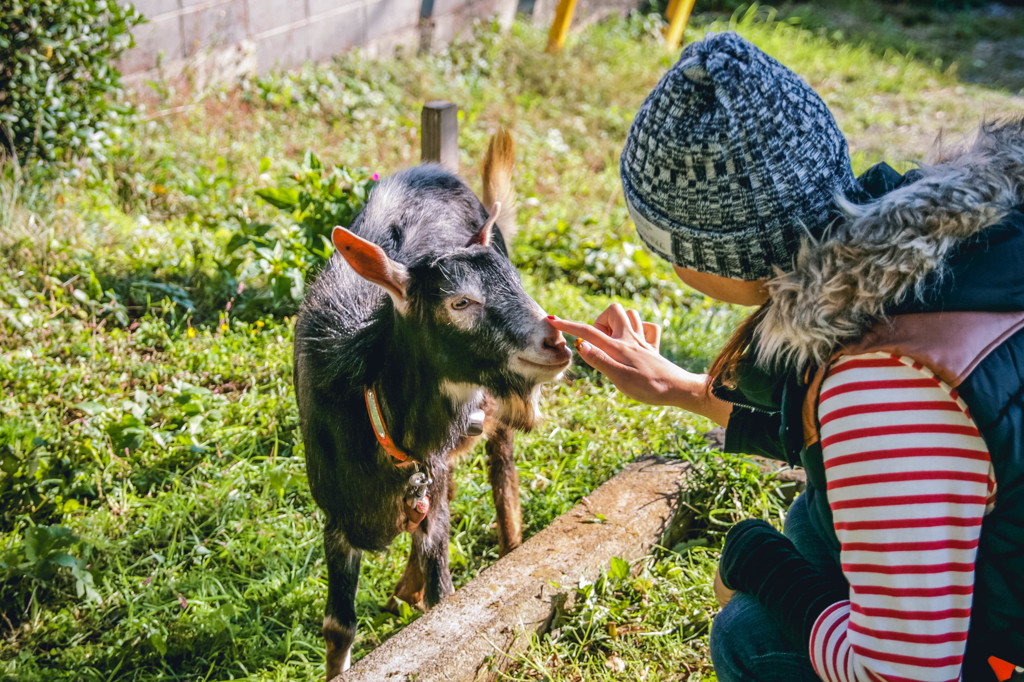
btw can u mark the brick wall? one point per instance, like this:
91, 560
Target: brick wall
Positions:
221, 39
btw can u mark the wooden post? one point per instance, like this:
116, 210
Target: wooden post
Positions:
560, 27
678, 15
439, 134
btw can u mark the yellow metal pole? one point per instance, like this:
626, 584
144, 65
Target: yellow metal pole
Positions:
678, 15
670, 10
560, 29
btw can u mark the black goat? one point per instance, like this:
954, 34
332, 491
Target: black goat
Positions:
418, 323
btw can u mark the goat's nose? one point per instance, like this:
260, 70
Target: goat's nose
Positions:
554, 339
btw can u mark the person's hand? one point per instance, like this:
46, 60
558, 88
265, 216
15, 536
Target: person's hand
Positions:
722, 593
625, 349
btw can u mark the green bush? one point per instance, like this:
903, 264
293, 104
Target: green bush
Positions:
276, 262
59, 88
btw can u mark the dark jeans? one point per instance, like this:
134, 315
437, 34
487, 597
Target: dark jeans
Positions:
747, 644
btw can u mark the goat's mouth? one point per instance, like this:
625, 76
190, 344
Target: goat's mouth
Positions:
550, 366
541, 367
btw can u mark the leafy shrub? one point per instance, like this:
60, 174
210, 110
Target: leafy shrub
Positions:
319, 199
277, 260
58, 85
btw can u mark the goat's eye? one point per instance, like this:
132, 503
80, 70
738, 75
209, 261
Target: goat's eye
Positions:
461, 303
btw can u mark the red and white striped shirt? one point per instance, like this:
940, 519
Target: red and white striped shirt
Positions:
909, 480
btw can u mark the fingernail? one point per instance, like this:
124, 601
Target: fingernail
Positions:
551, 317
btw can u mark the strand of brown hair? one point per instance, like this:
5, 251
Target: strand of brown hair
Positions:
723, 369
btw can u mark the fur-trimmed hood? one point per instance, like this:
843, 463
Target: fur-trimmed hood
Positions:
890, 249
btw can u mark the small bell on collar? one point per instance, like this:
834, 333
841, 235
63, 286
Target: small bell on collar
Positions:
419, 483
476, 423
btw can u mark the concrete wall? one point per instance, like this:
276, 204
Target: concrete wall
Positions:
222, 39
587, 12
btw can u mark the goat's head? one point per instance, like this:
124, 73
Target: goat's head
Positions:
465, 311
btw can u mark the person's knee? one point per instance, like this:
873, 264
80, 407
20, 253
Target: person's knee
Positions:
731, 628
747, 644
724, 624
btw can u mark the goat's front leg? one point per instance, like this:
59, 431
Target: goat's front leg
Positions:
340, 615
504, 477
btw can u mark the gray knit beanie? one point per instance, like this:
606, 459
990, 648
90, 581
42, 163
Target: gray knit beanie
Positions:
731, 161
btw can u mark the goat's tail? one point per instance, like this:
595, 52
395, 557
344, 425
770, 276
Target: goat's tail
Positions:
497, 174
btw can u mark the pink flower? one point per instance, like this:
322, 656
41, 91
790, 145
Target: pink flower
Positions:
376, 177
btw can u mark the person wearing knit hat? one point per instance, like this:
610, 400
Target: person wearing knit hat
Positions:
883, 358
731, 161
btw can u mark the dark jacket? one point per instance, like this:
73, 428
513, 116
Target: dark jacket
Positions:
980, 269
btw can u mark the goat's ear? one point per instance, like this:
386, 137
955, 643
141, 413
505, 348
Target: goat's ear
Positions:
483, 237
372, 264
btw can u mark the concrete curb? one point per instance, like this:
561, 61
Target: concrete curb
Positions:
478, 629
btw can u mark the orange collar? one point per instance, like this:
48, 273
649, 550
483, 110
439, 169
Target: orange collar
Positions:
416, 508
379, 429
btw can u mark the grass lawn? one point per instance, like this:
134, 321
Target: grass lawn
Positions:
155, 522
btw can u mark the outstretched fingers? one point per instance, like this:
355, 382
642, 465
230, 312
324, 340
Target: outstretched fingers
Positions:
593, 344
626, 350
582, 330
620, 323
635, 323
652, 334
617, 320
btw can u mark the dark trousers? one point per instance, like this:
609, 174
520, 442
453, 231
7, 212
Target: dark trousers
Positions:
747, 644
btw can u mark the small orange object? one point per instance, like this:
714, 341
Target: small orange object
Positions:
1004, 671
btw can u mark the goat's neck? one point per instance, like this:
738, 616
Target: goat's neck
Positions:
425, 414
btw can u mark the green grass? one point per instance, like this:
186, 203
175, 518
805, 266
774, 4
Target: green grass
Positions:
155, 522
978, 42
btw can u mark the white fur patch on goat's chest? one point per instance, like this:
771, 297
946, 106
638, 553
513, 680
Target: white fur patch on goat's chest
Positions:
462, 393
